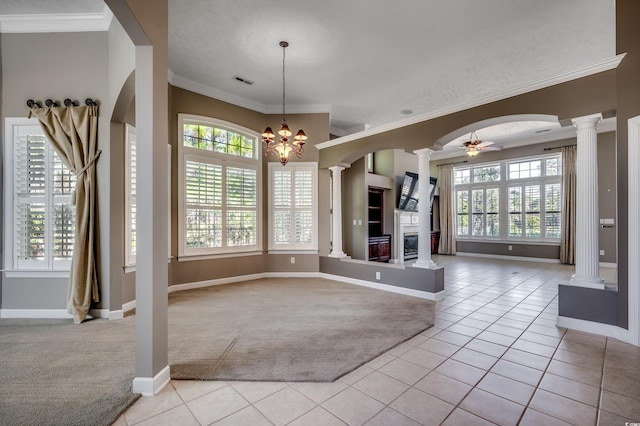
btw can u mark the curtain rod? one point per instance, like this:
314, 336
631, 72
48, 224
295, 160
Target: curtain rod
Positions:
449, 164
67, 102
559, 147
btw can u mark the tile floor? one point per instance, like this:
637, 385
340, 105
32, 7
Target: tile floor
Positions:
494, 356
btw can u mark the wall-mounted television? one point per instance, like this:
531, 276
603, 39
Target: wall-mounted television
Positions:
409, 192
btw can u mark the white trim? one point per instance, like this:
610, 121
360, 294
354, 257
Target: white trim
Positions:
292, 251
49, 313
608, 265
189, 258
212, 92
57, 23
588, 70
607, 330
633, 254
151, 386
214, 282
43, 274
126, 307
116, 315
499, 256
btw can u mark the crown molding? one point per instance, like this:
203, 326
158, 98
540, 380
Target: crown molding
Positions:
202, 89
605, 65
58, 23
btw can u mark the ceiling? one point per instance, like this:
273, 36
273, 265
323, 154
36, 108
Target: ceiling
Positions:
371, 63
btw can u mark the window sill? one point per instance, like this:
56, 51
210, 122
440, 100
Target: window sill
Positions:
513, 242
293, 251
16, 273
189, 258
132, 267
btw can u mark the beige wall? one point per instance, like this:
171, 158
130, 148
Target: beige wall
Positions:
316, 126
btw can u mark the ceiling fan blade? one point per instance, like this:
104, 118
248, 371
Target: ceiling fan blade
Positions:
491, 148
486, 143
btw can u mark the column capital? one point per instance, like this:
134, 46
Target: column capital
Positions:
339, 168
424, 151
586, 121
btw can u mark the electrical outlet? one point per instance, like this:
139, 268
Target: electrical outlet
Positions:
601, 252
510, 247
293, 259
377, 275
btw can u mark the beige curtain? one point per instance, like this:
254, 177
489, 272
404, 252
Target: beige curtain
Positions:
72, 131
447, 220
568, 237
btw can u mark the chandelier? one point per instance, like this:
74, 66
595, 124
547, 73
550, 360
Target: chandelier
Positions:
283, 147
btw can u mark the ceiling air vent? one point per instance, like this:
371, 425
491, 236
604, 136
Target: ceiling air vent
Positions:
243, 80
542, 131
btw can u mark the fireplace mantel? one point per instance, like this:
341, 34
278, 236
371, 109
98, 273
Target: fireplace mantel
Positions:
404, 223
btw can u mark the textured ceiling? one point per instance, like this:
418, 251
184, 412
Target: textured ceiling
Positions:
366, 61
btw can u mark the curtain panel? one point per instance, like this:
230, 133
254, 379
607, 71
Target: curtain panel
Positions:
447, 243
72, 132
568, 235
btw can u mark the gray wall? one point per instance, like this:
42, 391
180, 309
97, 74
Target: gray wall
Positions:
56, 66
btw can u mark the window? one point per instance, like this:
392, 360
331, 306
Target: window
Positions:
293, 206
130, 196
40, 219
524, 195
219, 180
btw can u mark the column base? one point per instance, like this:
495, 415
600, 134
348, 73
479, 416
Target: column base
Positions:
587, 282
426, 265
337, 254
150, 386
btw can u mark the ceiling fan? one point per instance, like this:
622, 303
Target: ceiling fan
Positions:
474, 145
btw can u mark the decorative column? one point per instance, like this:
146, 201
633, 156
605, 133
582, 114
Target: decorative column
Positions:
587, 218
424, 211
336, 196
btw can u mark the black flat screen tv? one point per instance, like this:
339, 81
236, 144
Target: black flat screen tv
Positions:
409, 192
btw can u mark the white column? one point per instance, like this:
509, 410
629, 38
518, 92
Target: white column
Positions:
336, 196
424, 211
587, 217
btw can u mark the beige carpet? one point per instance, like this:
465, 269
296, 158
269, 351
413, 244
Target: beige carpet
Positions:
287, 329
53, 372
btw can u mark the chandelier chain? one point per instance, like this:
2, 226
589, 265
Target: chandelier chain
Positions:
283, 85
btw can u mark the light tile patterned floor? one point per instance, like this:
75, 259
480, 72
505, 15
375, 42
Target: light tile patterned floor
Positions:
494, 356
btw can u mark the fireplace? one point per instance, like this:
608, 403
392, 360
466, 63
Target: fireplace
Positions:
410, 245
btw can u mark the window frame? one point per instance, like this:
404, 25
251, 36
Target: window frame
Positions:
505, 183
49, 267
186, 153
293, 248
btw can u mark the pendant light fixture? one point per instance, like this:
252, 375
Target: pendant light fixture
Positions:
283, 147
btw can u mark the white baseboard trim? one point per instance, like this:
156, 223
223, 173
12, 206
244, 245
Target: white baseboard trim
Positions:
219, 281
386, 287
606, 330
150, 386
500, 256
608, 265
116, 315
49, 313
126, 307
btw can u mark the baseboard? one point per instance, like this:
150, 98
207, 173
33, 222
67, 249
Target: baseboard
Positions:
386, 287
608, 265
129, 306
116, 315
607, 330
150, 386
500, 256
49, 313
219, 281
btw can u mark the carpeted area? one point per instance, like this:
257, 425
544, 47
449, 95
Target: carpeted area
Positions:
53, 372
312, 330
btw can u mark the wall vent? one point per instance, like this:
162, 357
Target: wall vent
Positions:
243, 80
